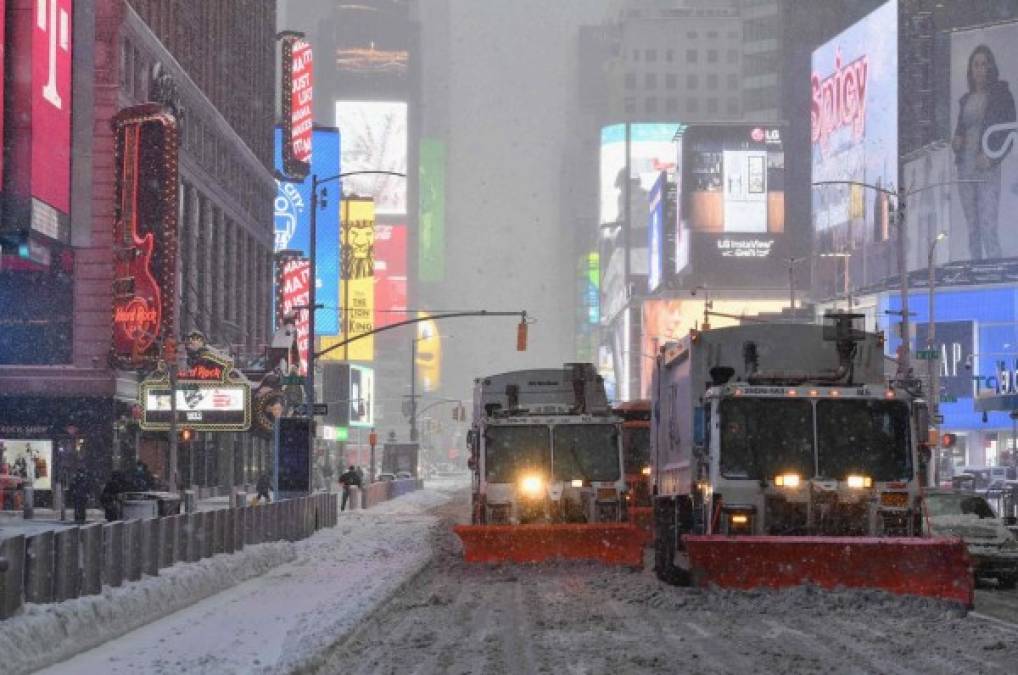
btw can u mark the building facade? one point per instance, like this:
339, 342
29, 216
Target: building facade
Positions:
220, 59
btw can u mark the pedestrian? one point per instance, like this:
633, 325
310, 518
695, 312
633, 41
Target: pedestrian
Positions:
110, 496
348, 480
263, 486
360, 476
143, 478
78, 492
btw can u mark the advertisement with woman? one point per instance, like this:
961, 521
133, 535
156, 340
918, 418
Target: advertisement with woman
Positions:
983, 123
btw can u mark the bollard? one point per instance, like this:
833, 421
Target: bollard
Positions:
218, 531
12, 575
229, 530
91, 543
190, 501
168, 541
202, 535
150, 548
193, 537
248, 524
210, 534
39, 568
239, 528
262, 524
113, 554
133, 550
271, 518
67, 564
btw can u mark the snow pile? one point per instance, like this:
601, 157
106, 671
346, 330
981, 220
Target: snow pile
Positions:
45, 634
287, 618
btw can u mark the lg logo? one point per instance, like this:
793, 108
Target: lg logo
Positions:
54, 21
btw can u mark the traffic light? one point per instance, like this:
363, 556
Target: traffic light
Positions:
948, 440
186, 434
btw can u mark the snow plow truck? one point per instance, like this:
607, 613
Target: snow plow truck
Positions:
781, 455
636, 459
548, 479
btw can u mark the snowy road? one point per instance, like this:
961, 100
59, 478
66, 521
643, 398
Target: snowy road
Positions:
589, 619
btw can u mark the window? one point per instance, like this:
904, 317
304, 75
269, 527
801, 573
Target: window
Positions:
732, 56
692, 105
669, 55
712, 56
691, 56
630, 80
692, 81
650, 81
712, 35
585, 452
650, 104
712, 105
630, 104
712, 81
761, 438
733, 81
733, 106
671, 81
650, 56
671, 104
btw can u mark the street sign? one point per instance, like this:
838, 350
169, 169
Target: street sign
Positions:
321, 409
927, 354
303, 409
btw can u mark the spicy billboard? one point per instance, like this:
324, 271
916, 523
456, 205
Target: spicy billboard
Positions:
854, 133
39, 133
375, 139
292, 211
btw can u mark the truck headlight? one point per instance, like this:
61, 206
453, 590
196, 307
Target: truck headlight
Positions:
645, 471
859, 482
789, 480
532, 485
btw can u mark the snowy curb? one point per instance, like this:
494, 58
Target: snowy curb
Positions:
46, 634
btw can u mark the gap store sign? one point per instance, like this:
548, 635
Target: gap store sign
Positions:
976, 332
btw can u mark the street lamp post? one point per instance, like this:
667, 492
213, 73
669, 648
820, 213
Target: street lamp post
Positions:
934, 364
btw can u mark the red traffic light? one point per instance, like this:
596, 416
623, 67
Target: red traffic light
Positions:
948, 440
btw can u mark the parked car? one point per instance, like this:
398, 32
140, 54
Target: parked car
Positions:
403, 475
386, 476
992, 546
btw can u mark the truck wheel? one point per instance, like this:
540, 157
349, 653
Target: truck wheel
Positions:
666, 536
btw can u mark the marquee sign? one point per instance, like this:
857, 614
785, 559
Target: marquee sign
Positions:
210, 396
144, 234
297, 98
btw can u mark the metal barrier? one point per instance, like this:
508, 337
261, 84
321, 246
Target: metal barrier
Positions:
12, 575
67, 566
91, 541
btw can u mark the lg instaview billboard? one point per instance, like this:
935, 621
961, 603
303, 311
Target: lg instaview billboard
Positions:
854, 134
375, 139
292, 212
730, 216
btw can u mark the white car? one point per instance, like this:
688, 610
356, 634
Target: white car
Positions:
993, 547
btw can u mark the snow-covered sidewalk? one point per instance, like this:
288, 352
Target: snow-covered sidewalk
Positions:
282, 619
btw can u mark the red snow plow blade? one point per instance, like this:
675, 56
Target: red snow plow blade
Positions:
609, 543
936, 568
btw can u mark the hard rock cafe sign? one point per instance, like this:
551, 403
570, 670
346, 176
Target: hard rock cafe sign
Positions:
144, 234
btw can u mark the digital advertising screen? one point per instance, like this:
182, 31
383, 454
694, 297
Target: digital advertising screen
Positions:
357, 285
670, 320
431, 228
390, 274
26, 458
981, 147
730, 217
612, 173
375, 139
292, 216
362, 396
854, 134
655, 232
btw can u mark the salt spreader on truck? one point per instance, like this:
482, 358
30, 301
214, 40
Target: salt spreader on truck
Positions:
548, 480
780, 455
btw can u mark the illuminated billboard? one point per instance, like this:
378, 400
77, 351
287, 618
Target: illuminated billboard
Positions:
297, 98
375, 139
428, 354
670, 320
613, 173
38, 43
983, 134
292, 212
431, 228
854, 132
660, 226
293, 289
390, 274
730, 223
357, 286
362, 396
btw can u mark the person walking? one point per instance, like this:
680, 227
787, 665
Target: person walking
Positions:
78, 492
348, 480
263, 486
110, 497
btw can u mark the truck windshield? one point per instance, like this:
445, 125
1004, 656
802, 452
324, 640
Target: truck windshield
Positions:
635, 448
764, 437
857, 436
510, 450
586, 452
